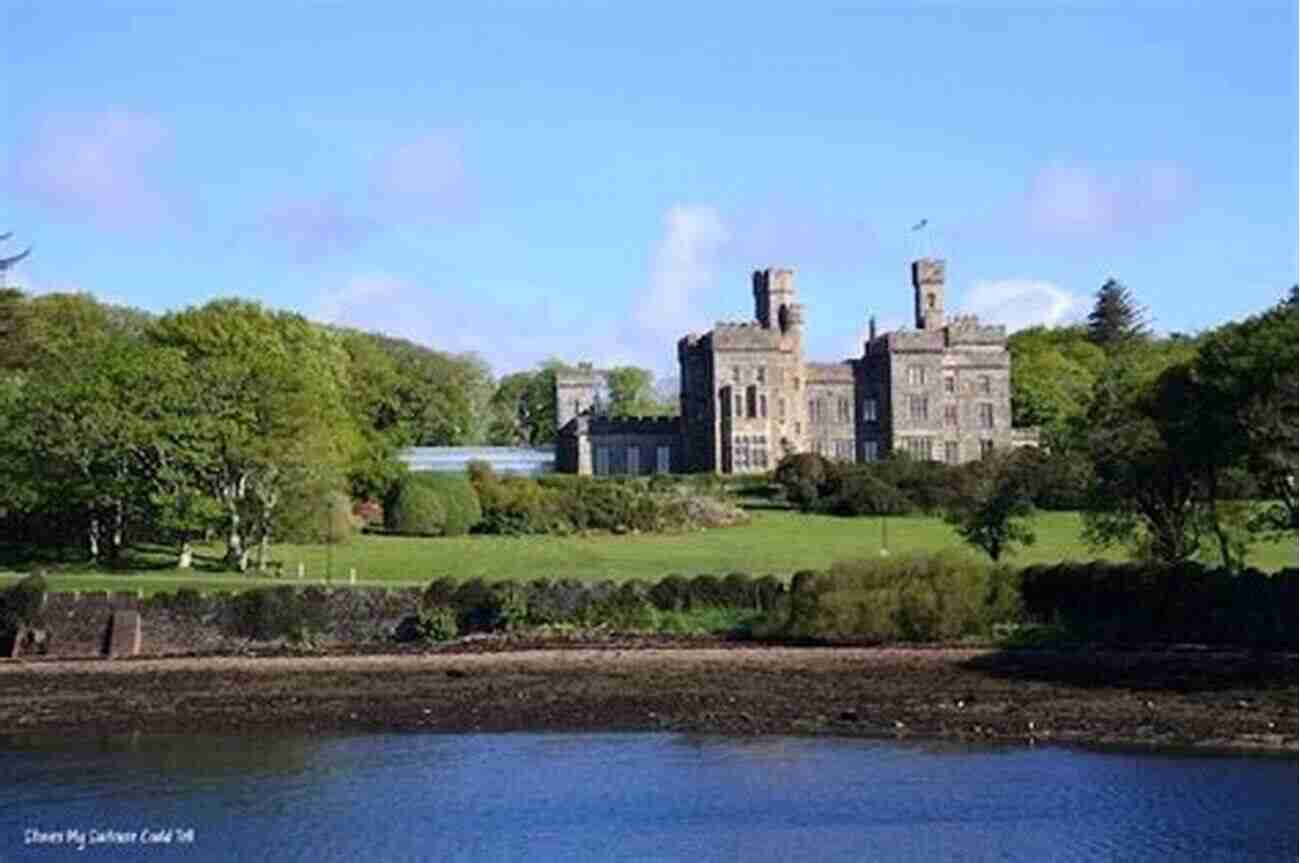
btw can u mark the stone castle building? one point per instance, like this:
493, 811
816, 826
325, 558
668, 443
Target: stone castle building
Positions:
749, 397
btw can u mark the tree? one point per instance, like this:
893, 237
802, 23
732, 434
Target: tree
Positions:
265, 404
523, 407
1246, 375
1116, 318
632, 392
991, 506
1143, 490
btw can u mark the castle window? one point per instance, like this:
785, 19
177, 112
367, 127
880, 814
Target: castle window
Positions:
724, 402
986, 448
844, 450
735, 374
662, 455
949, 383
869, 410
780, 409
842, 411
762, 406
740, 405
602, 460
929, 298
986, 415
950, 415
951, 452
577, 407
760, 374
920, 448
870, 450
919, 408
986, 384
751, 401
634, 460
916, 375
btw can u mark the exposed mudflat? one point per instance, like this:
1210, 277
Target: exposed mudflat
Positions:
1169, 697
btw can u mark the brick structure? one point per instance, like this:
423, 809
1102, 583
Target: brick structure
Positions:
941, 391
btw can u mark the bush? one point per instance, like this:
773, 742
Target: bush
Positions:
706, 591
433, 624
434, 504
1187, 602
803, 476
459, 501
417, 510
670, 593
265, 614
316, 516
21, 603
921, 598
856, 490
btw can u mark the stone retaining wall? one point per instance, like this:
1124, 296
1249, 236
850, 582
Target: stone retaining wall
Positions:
193, 622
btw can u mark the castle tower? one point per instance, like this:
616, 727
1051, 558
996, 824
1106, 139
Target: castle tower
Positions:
577, 391
927, 287
774, 300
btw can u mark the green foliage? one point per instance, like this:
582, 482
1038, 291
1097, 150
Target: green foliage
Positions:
432, 625
1139, 603
803, 476
857, 490
416, 511
1116, 319
267, 614
993, 507
632, 393
933, 597
21, 603
459, 500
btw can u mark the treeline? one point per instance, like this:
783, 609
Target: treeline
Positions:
231, 420
1173, 447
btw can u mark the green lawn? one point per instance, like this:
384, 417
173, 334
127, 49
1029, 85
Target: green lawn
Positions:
776, 542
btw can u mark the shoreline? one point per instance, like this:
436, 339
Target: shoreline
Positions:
1210, 701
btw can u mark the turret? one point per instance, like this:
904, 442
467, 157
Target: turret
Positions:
927, 287
774, 300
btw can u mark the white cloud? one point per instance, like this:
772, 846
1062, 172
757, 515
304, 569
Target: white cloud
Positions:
684, 266
99, 166
1021, 303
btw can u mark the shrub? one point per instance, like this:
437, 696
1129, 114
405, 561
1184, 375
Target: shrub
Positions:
920, 598
417, 511
433, 624
738, 591
706, 592
769, 591
459, 501
265, 614
439, 592
856, 490
477, 606
670, 593
21, 603
803, 476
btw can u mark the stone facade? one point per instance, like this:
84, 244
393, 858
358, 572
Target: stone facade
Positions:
941, 391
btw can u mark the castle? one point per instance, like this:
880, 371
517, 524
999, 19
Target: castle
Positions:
941, 391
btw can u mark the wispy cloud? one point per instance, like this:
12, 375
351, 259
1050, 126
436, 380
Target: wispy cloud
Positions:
101, 166
1021, 303
1068, 200
684, 266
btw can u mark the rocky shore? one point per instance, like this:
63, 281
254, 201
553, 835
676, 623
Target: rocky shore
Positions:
1168, 697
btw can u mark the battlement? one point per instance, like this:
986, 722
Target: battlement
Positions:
967, 330
652, 425
908, 340
841, 372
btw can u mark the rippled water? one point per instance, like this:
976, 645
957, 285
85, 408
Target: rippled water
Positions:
634, 797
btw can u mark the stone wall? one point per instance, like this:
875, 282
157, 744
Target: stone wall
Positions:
192, 622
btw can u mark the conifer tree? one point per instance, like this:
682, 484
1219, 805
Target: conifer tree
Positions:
1115, 318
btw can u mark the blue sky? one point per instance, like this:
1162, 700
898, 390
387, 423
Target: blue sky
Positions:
592, 181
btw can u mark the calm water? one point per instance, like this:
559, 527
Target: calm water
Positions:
635, 797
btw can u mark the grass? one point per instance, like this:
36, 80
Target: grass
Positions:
775, 541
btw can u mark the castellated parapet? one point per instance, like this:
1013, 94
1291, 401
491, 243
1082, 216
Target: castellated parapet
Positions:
940, 391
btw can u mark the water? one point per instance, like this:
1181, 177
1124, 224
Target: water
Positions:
635, 797
504, 459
